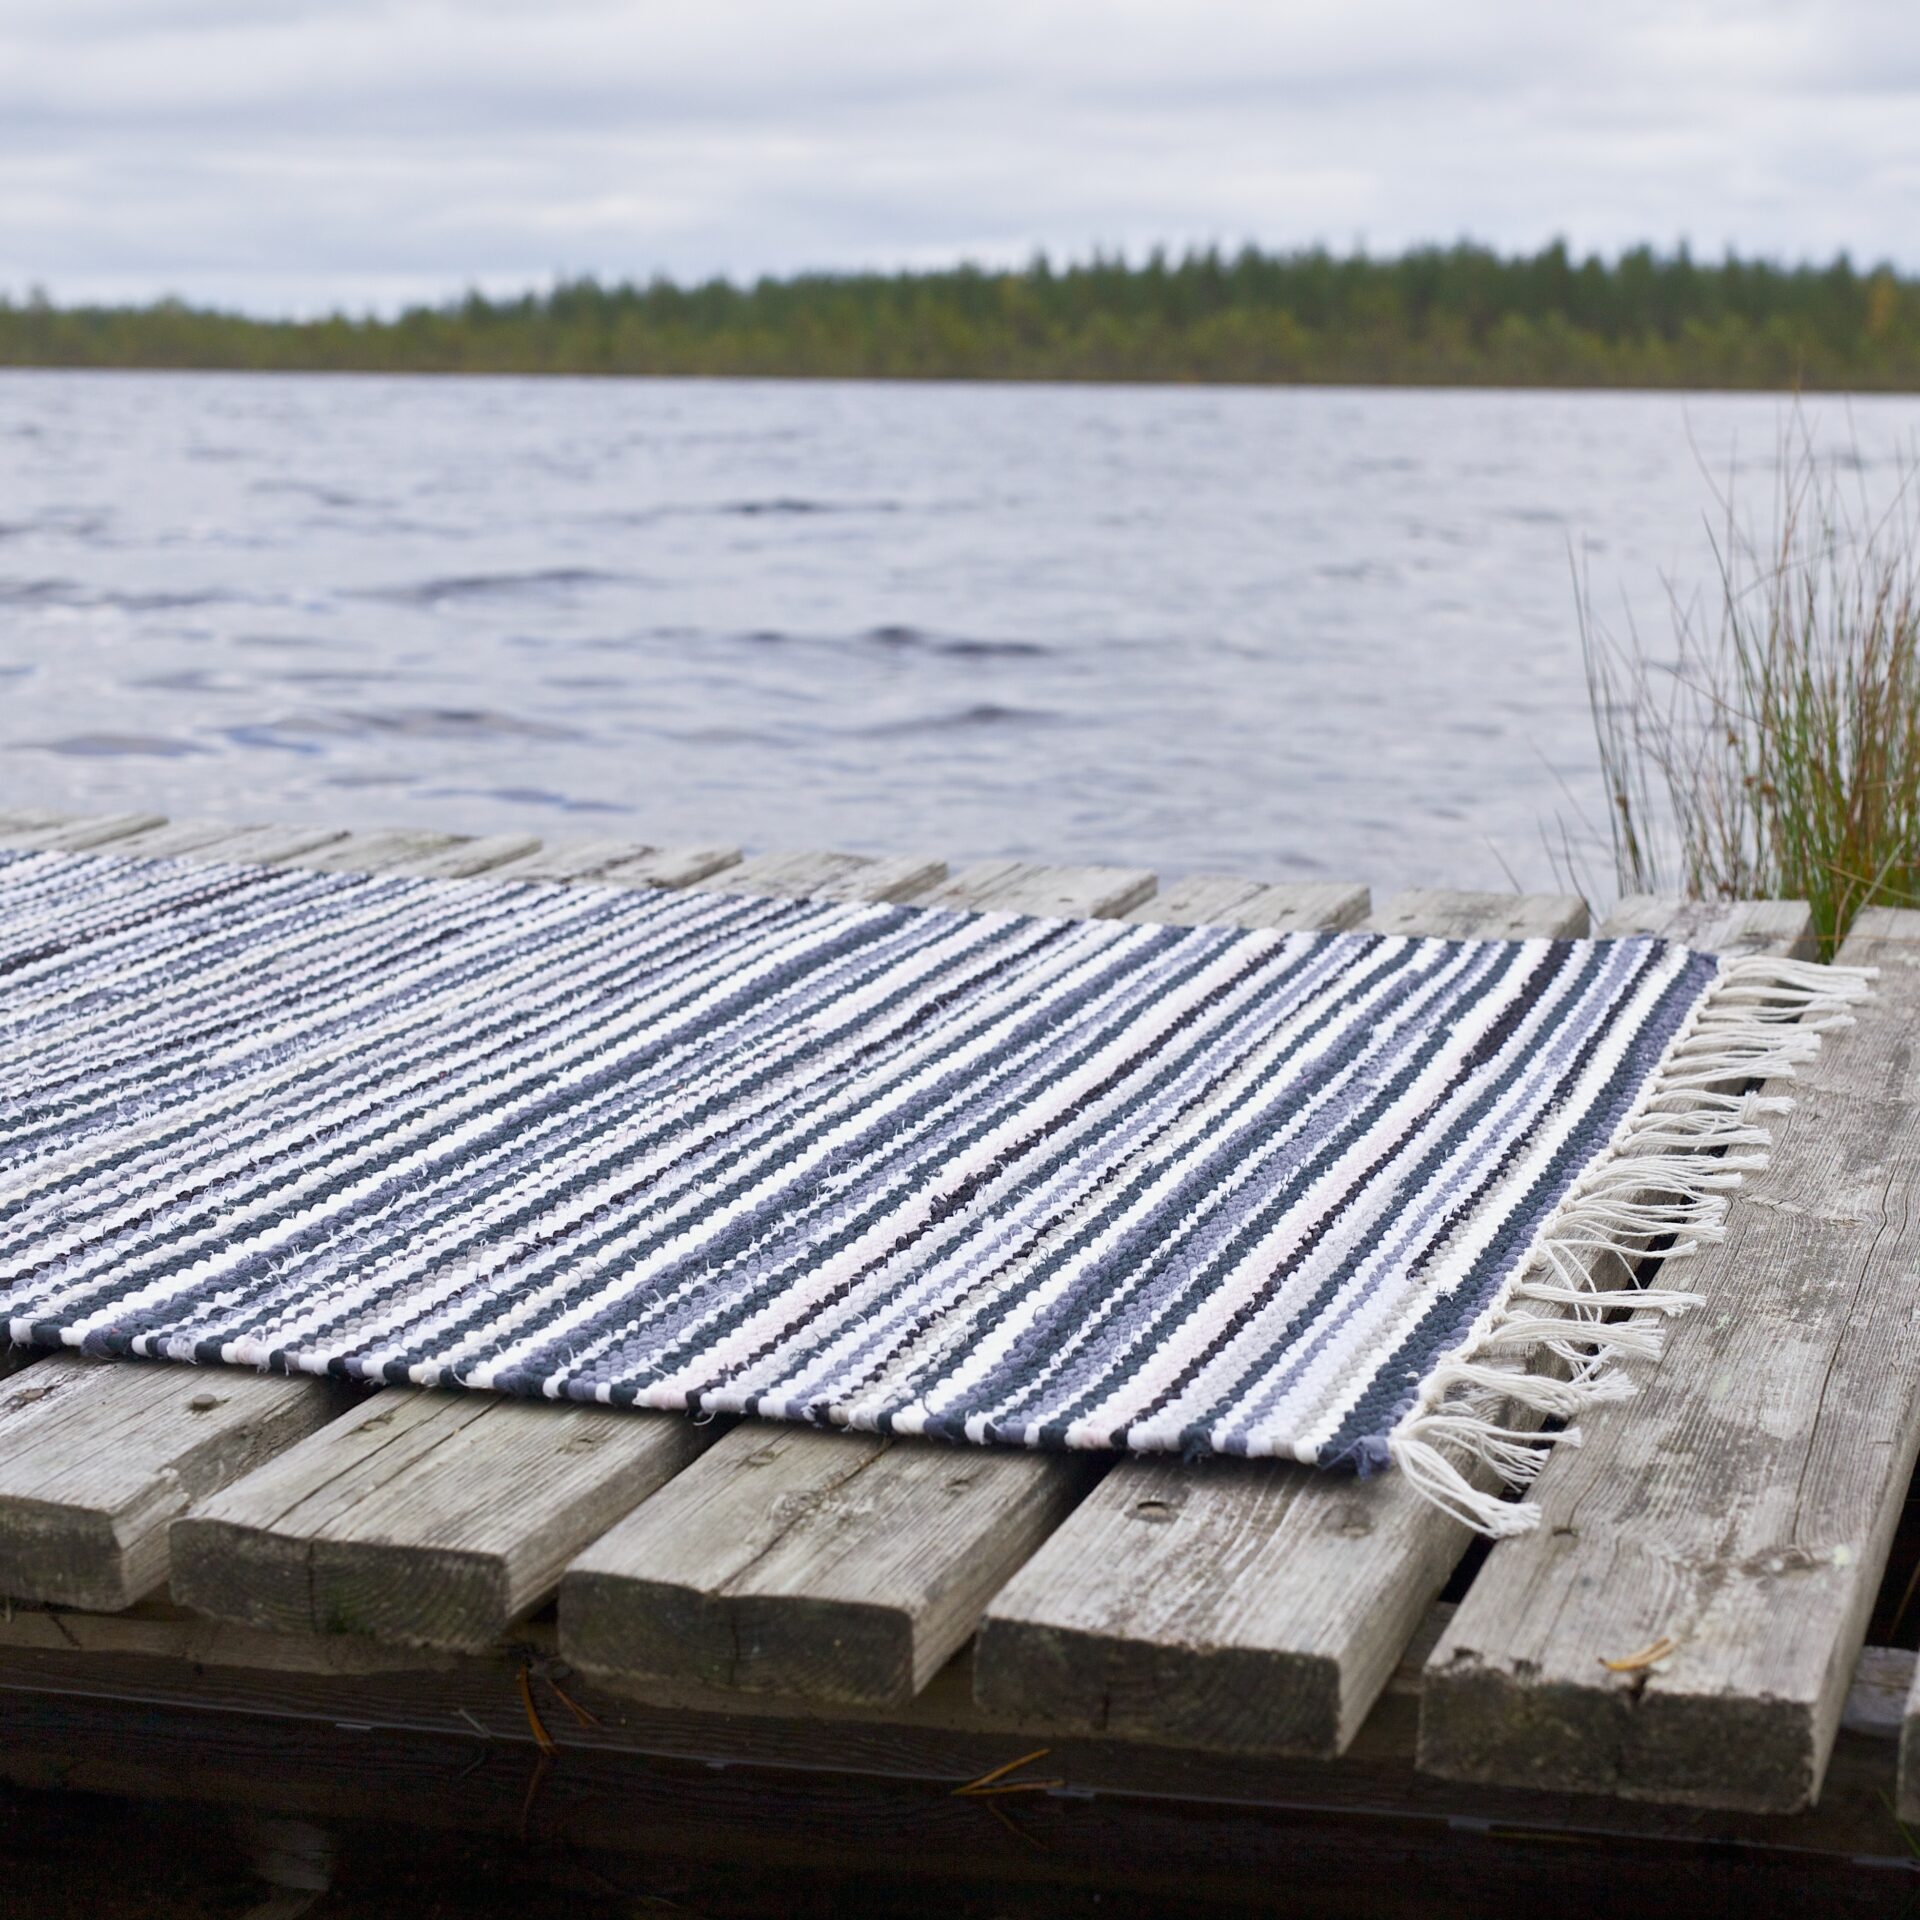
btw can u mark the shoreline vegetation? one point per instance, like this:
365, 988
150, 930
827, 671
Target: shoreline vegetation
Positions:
1772, 749
1454, 316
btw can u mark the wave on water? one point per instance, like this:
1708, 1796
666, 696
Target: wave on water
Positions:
117, 746
539, 581
794, 504
982, 713
70, 593
957, 645
433, 723
321, 496
524, 797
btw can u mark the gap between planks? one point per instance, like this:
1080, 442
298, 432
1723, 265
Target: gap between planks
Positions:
1738, 1513
437, 1520
236, 1554
836, 1566
98, 1459
1260, 1608
1245, 1607
849, 1568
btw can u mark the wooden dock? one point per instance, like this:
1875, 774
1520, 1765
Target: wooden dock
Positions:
419, 1596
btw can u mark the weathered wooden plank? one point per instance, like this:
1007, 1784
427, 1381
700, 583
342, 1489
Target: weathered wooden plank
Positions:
1723, 1533
18, 820
1443, 914
1229, 900
97, 1457
78, 836
1719, 926
870, 1558
467, 1717
620, 863
432, 1519
828, 876
102, 1534
173, 838
191, 839
1070, 893
828, 1566
376, 850
1247, 1607
268, 846
468, 858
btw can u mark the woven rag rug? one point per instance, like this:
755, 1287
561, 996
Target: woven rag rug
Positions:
1053, 1183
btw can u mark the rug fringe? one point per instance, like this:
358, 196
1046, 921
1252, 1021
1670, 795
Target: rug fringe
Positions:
1666, 1174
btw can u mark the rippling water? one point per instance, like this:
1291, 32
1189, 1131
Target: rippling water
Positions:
1279, 632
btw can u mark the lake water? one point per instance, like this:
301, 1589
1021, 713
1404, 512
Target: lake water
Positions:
1280, 632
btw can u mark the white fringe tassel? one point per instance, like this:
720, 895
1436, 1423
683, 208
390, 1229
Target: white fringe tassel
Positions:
1667, 1171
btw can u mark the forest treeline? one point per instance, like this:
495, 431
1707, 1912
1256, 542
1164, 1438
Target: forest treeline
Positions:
1457, 316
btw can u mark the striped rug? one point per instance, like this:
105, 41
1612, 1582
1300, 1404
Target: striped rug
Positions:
976, 1175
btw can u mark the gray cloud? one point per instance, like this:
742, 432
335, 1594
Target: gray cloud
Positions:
360, 152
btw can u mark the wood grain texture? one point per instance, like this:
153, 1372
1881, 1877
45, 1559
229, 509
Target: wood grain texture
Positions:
624, 863
105, 1536
1740, 1509
81, 834
269, 846
1071, 893
435, 1519
1443, 914
177, 837
871, 1558
828, 876
466, 1718
1719, 926
97, 1527
1238, 1606
17, 821
1228, 900
820, 1565
429, 1519
375, 850
465, 858
98, 1457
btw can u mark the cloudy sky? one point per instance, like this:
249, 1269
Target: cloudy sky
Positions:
291, 155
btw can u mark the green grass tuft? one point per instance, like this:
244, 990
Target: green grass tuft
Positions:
1776, 753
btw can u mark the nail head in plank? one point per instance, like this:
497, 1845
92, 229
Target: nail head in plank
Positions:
622, 863
1243, 1606
830, 1566
1440, 913
828, 876
1071, 893
892, 1575
1228, 900
97, 1457
1740, 1509
434, 1519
